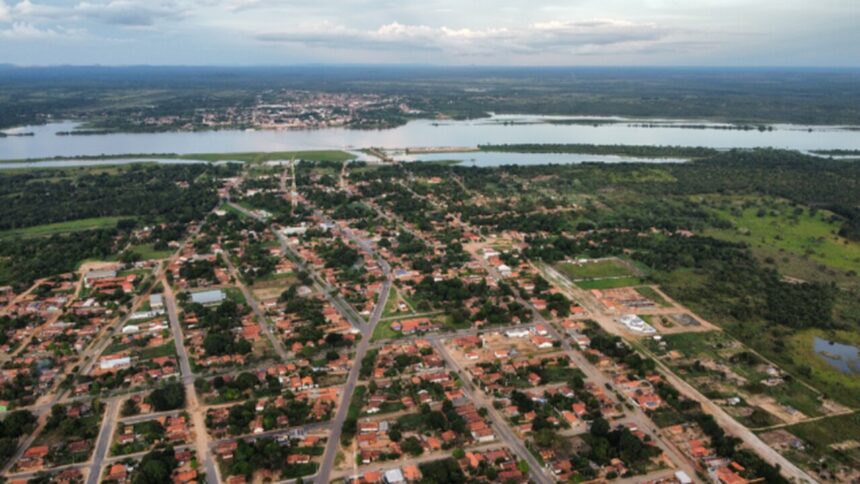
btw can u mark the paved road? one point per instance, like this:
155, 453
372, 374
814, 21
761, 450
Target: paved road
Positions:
536, 470
265, 327
303, 429
103, 441
357, 322
194, 409
727, 422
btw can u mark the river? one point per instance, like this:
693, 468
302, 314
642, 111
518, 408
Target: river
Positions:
422, 133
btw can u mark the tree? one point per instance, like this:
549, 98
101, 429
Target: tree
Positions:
169, 397
412, 446
155, 467
599, 427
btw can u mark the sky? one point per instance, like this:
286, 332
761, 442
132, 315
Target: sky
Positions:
820, 33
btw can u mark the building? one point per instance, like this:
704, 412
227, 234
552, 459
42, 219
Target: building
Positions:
205, 298
156, 302
394, 476
517, 333
637, 324
96, 275
297, 230
112, 363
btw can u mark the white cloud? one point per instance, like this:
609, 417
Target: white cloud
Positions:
587, 36
27, 31
5, 14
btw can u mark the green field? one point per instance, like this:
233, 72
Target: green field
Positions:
774, 227
609, 283
820, 435
63, 227
383, 331
594, 270
147, 252
650, 293
803, 361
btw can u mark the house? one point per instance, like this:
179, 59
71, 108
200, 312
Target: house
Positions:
411, 473
649, 401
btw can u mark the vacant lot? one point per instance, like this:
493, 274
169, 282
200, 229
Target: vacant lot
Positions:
834, 440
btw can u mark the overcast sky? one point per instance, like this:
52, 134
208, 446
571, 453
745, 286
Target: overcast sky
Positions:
461, 32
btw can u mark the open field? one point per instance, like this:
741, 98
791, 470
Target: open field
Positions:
62, 227
148, 252
722, 367
609, 283
837, 385
833, 440
594, 270
773, 227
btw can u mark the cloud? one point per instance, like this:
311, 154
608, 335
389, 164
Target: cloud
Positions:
5, 14
586, 36
130, 13
27, 31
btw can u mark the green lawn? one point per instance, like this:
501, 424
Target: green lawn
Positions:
63, 227
609, 283
383, 331
594, 270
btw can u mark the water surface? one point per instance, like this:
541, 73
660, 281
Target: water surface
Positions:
845, 358
422, 133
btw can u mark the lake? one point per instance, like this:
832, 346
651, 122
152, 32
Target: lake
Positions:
845, 358
422, 133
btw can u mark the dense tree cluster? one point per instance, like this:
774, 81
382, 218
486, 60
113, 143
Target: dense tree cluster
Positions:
168, 397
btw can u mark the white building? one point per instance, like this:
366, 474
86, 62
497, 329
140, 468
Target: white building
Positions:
115, 363
517, 333
214, 296
156, 301
637, 324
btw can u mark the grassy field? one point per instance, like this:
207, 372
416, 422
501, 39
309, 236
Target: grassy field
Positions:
773, 227
726, 351
820, 435
609, 283
147, 252
62, 227
842, 387
383, 331
594, 270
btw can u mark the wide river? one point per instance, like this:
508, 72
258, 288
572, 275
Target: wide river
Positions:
424, 133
